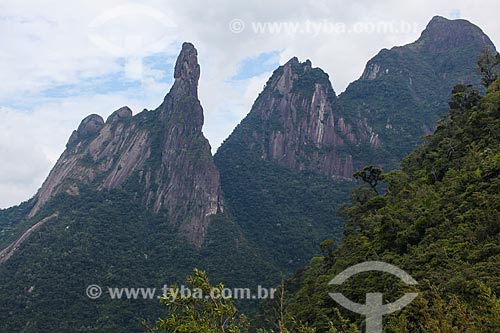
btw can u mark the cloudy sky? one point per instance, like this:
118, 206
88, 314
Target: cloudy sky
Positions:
62, 60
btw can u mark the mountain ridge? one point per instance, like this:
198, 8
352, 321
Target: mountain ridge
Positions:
141, 199
163, 152
404, 91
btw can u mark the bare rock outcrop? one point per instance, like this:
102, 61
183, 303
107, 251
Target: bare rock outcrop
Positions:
163, 153
298, 123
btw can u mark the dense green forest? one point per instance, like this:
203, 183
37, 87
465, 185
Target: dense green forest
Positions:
271, 203
405, 90
437, 218
107, 238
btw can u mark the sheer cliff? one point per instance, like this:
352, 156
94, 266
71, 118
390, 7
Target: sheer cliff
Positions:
296, 123
161, 154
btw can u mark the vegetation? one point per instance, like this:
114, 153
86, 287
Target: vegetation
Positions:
370, 175
199, 314
109, 239
10, 228
488, 64
409, 93
439, 220
204, 311
307, 80
271, 203
273, 220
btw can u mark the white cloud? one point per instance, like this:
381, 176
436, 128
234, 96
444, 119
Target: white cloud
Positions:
48, 44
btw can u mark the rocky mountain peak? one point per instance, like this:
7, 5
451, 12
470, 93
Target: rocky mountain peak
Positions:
161, 154
187, 70
437, 20
291, 77
296, 122
403, 91
442, 34
89, 126
295, 65
120, 114
293, 60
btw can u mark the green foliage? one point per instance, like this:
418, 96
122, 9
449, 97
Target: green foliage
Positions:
307, 80
439, 220
276, 207
370, 175
431, 312
110, 239
327, 246
279, 318
12, 223
200, 314
274, 218
409, 93
487, 64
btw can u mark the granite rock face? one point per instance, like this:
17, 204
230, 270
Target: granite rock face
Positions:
296, 123
162, 154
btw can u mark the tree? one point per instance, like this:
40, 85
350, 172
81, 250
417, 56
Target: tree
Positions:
370, 175
328, 247
202, 311
488, 66
463, 98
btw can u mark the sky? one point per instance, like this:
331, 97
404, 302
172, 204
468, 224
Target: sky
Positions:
63, 60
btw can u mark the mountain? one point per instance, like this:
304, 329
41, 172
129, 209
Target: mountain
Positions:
299, 123
134, 201
404, 91
284, 169
287, 167
438, 220
162, 153
294, 123
138, 200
